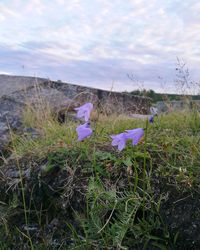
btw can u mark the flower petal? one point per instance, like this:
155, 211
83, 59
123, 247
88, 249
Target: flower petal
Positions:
121, 145
135, 135
83, 131
84, 111
151, 119
119, 140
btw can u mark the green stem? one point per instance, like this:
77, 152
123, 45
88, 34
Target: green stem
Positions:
22, 187
136, 175
144, 166
94, 145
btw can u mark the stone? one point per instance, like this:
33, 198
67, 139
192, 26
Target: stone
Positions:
10, 83
107, 101
183, 105
12, 107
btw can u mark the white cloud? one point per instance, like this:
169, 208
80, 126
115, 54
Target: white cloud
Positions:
5, 73
140, 34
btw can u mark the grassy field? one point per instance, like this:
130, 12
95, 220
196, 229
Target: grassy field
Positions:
88, 195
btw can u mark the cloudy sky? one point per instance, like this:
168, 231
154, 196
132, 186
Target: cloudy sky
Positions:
98, 42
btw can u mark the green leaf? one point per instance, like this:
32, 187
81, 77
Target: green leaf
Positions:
127, 162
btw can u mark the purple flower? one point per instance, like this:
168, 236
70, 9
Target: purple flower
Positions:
84, 111
119, 140
83, 131
151, 118
135, 135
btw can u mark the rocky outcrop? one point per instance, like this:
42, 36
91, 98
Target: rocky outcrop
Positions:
10, 117
58, 97
12, 107
10, 84
185, 105
107, 101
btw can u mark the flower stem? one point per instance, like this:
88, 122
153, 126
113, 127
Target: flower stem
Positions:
144, 166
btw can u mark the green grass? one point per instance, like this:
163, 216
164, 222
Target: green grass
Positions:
116, 206
172, 141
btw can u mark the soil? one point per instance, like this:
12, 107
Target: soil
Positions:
62, 191
180, 211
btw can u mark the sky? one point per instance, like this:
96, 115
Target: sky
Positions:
120, 45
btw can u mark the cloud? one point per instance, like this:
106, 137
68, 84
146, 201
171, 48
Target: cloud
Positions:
101, 73
98, 42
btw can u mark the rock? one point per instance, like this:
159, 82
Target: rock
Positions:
182, 105
31, 133
107, 101
10, 119
10, 84
139, 116
43, 98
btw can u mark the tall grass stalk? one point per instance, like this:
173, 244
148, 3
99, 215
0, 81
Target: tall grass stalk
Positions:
22, 188
144, 166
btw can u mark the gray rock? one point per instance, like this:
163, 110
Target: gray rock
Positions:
10, 119
185, 105
12, 107
9, 84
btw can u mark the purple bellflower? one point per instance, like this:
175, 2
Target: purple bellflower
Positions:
151, 118
83, 131
135, 135
119, 140
84, 111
